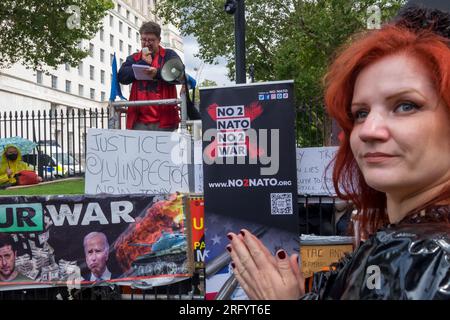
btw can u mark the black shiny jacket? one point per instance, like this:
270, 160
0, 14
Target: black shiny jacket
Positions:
410, 260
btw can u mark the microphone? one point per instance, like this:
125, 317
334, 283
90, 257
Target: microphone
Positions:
146, 51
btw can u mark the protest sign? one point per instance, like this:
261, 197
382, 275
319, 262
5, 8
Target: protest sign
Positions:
196, 208
131, 161
249, 171
87, 240
313, 173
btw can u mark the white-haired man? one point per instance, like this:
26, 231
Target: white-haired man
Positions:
96, 250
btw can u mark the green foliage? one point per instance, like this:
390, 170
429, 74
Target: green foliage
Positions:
285, 39
208, 83
205, 83
39, 33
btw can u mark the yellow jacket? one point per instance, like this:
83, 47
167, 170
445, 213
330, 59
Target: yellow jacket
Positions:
16, 166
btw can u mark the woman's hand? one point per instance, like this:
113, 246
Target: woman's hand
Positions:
9, 172
261, 275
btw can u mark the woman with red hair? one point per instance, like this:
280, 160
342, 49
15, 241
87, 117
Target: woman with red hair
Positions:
389, 90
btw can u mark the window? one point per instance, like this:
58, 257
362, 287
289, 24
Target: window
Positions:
111, 21
128, 14
120, 26
129, 49
67, 66
102, 34
111, 40
137, 37
80, 68
121, 62
92, 93
119, 8
102, 55
68, 86
129, 33
103, 95
39, 77
111, 58
54, 82
80, 90
136, 20
91, 72
120, 45
91, 50
102, 76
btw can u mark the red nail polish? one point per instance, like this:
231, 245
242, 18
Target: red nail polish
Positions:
281, 254
229, 248
233, 265
243, 233
230, 236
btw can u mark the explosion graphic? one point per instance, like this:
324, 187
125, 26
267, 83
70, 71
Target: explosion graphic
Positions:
164, 215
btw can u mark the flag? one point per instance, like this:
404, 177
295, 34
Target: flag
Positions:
115, 86
191, 82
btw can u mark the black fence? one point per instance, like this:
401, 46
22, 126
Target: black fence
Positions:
60, 135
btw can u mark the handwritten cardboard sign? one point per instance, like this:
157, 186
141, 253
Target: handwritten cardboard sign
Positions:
131, 161
313, 178
317, 257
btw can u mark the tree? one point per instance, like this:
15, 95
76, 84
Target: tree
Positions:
205, 83
48, 33
208, 83
285, 39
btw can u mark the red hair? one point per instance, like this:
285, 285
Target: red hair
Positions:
365, 49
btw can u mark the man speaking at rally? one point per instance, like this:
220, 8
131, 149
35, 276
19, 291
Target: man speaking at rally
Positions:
155, 118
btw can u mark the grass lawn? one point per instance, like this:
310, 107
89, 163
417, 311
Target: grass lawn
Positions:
63, 187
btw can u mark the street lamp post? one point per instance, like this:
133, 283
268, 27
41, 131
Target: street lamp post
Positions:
237, 7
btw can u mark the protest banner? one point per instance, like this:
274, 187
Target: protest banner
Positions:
90, 240
249, 171
132, 161
196, 208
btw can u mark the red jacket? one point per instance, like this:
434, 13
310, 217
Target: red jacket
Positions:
167, 116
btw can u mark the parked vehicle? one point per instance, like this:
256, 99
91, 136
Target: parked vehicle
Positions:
52, 161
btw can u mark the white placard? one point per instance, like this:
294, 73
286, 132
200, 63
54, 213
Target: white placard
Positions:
198, 152
312, 176
132, 161
198, 166
198, 178
139, 74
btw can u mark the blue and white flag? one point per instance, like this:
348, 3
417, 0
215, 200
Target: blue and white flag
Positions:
115, 85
